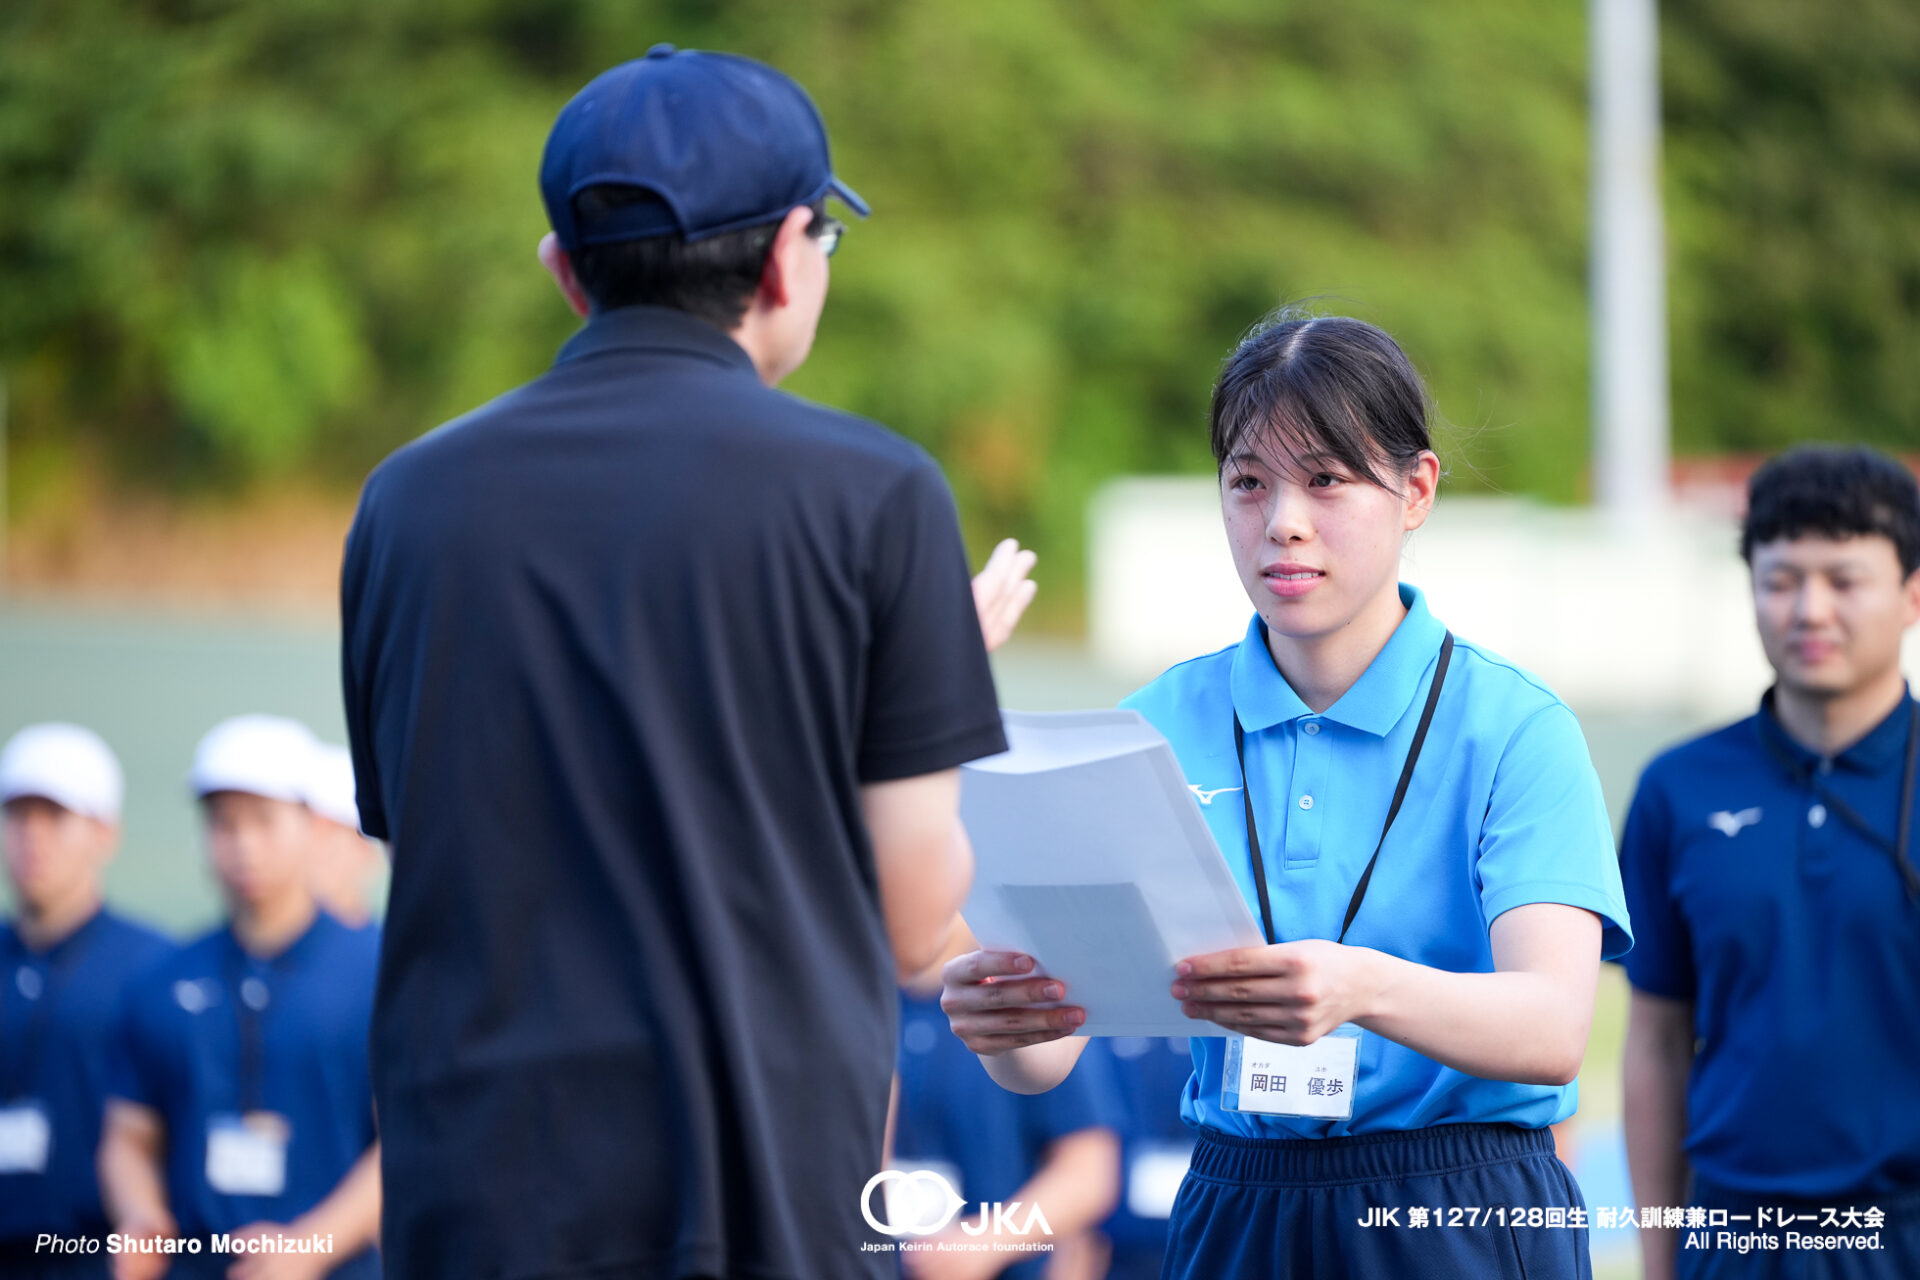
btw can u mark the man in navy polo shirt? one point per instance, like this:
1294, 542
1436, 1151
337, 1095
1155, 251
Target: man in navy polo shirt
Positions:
64, 961
658, 681
1151, 1075
1058, 1151
241, 1102
1773, 1048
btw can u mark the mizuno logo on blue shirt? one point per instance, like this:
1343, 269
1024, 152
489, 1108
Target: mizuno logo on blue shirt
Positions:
1731, 824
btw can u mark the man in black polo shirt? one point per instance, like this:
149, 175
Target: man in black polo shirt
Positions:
658, 680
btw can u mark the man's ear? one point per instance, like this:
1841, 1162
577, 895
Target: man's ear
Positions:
775, 284
108, 843
1912, 589
560, 267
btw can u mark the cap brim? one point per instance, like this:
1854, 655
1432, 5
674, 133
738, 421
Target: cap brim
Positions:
204, 785
848, 196
67, 798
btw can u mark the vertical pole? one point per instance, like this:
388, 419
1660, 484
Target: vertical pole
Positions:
1631, 436
3, 482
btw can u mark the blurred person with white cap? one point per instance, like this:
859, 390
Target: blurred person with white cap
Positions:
241, 1105
345, 864
64, 961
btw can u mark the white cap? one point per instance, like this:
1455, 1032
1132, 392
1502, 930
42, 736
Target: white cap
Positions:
66, 764
269, 756
330, 785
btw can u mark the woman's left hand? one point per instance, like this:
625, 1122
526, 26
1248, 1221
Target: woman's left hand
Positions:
1289, 993
1002, 591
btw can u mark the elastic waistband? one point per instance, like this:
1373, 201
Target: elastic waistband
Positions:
1369, 1157
1902, 1204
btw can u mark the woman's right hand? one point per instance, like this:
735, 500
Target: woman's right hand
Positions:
992, 1002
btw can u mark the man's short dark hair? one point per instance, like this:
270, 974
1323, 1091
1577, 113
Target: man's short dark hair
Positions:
712, 279
1833, 492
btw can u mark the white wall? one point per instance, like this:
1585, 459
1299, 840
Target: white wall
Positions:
1655, 616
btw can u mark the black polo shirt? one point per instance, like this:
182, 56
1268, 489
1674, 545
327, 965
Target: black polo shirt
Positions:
620, 649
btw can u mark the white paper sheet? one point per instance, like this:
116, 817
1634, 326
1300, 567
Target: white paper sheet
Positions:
1092, 857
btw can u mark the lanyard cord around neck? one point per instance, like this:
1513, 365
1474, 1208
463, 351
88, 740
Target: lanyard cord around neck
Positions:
59, 967
1807, 776
1393, 810
247, 1020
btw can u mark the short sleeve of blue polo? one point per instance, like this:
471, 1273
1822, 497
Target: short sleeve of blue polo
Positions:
1504, 810
1661, 962
137, 1069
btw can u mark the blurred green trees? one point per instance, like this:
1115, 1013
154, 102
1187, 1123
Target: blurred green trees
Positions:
1793, 181
240, 240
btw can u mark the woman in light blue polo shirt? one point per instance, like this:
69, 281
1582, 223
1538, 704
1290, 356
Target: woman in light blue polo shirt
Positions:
1418, 826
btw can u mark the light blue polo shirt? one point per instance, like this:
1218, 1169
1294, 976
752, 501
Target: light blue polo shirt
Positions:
1504, 809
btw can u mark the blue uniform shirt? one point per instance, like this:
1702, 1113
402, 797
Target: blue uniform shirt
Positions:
1791, 934
58, 1011
985, 1140
1504, 810
181, 1055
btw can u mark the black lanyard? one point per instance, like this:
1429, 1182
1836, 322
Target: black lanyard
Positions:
1393, 810
1807, 776
57, 972
247, 1019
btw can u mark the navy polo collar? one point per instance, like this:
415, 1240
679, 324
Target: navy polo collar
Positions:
291, 956
1882, 748
1262, 697
60, 952
654, 329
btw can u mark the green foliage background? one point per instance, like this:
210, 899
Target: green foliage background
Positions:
240, 241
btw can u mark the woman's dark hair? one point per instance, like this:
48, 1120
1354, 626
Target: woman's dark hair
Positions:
1326, 386
1833, 492
712, 279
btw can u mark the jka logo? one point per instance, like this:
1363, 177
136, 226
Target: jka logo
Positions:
920, 1202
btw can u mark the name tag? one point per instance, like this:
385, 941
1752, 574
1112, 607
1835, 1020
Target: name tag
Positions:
26, 1137
247, 1155
1154, 1178
1292, 1080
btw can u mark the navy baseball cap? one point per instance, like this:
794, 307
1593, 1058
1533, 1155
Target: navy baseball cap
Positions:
724, 142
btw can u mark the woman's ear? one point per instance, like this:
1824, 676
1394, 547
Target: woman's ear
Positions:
1423, 485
